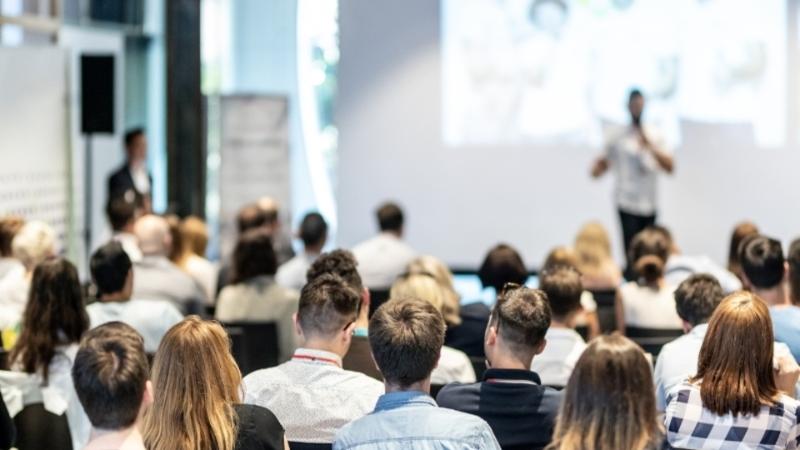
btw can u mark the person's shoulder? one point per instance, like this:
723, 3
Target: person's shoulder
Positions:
364, 382
256, 381
468, 424
456, 395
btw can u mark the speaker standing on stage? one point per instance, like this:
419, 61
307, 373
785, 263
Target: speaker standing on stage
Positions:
132, 181
636, 154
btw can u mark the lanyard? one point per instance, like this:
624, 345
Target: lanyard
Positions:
317, 359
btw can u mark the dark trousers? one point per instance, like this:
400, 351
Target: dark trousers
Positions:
631, 225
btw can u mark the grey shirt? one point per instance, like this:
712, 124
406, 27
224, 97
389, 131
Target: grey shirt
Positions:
157, 278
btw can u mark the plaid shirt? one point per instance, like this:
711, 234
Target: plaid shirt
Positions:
691, 426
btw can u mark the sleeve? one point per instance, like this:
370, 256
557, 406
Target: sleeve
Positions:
794, 435
658, 377
7, 431
486, 438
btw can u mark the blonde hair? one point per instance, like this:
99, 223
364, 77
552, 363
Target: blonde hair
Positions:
592, 248
196, 383
560, 256
194, 234
441, 273
35, 242
421, 286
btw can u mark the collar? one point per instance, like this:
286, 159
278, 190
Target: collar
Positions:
394, 400
511, 376
312, 356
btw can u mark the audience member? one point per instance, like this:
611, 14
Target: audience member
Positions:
34, 242
511, 398
563, 289
122, 216
9, 266
343, 264
406, 337
793, 258
764, 270
314, 233
742, 231
192, 259
52, 326
254, 296
155, 277
587, 314
593, 250
736, 399
281, 240
110, 376
311, 394
196, 391
608, 402
454, 365
113, 276
384, 257
648, 302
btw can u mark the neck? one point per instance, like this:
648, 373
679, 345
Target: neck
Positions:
504, 360
115, 438
313, 249
568, 322
421, 386
394, 233
776, 296
120, 296
325, 345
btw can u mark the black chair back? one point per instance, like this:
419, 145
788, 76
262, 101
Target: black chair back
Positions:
606, 315
435, 388
39, 429
308, 446
652, 339
377, 297
478, 365
254, 345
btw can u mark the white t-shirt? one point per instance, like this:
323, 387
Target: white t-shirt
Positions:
151, 318
646, 307
554, 365
292, 273
204, 273
382, 259
636, 170
454, 366
13, 299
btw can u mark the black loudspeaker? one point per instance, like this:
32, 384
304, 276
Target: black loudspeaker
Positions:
97, 94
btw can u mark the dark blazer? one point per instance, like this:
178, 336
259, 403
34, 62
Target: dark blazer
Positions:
121, 182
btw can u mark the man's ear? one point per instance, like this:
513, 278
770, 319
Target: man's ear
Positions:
297, 329
540, 348
491, 336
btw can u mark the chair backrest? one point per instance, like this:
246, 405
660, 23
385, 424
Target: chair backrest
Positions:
254, 345
39, 429
606, 315
377, 297
652, 339
308, 446
478, 365
435, 388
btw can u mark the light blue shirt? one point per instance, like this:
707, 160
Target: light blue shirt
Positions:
151, 318
676, 362
413, 420
786, 326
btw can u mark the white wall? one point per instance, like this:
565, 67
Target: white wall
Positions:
460, 201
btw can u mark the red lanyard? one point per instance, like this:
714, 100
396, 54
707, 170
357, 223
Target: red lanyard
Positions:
317, 358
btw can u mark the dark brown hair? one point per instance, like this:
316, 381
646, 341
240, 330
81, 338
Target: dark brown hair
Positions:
794, 270
521, 317
740, 232
649, 251
762, 260
735, 365
390, 217
406, 337
9, 226
697, 297
253, 216
338, 262
502, 265
253, 256
563, 287
327, 305
54, 316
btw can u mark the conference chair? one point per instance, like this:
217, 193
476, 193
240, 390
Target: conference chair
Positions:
478, 365
652, 339
606, 315
254, 344
39, 429
377, 297
435, 388
308, 446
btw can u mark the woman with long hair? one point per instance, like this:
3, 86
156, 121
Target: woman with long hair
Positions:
737, 399
609, 403
197, 396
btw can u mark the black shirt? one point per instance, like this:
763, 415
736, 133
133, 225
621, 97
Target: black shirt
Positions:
513, 402
468, 337
259, 429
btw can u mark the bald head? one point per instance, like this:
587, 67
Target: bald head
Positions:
153, 234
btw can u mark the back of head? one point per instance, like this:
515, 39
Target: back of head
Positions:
422, 286
390, 217
406, 336
194, 234
9, 227
327, 306
252, 216
561, 256
563, 287
313, 230
609, 402
110, 375
649, 251
742, 231
131, 135
339, 262
762, 261
502, 265
521, 317
110, 266
432, 265
592, 247
793, 258
253, 256
735, 363
34, 242
697, 297
120, 212
154, 236
193, 396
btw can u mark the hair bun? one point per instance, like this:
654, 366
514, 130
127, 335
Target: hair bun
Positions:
650, 267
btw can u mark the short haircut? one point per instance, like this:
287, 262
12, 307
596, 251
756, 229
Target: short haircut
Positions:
132, 134
390, 217
406, 337
313, 229
563, 287
327, 305
120, 212
253, 216
9, 227
338, 262
110, 375
110, 265
762, 261
634, 93
521, 317
254, 255
697, 298
502, 265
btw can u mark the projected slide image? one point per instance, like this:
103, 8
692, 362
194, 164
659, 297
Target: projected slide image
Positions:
527, 71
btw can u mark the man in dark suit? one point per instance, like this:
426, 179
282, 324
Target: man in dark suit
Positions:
132, 181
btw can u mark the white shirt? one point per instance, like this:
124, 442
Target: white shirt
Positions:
10, 267
312, 396
382, 259
454, 367
636, 170
681, 267
141, 179
151, 318
292, 273
13, 299
645, 307
130, 244
554, 365
204, 273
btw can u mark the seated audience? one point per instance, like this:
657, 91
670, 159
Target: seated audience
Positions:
648, 302
254, 296
454, 365
311, 394
9, 266
587, 315
608, 403
122, 215
562, 285
192, 259
110, 376
343, 264
112, 274
793, 259
764, 270
742, 231
314, 233
593, 251
33, 243
434, 266
406, 336
281, 240
155, 277
736, 399
196, 396
511, 398
384, 257
52, 326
